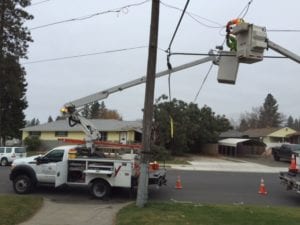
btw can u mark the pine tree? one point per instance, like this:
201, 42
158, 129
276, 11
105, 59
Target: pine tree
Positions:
269, 115
290, 122
50, 120
14, 38
94, 113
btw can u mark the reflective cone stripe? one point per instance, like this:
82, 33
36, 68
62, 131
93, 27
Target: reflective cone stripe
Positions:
262, 189
178, 183
293, 165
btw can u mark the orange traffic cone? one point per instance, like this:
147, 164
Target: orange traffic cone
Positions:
293, 165
178, 183
262, 189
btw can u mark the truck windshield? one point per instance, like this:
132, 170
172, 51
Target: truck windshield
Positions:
20, 150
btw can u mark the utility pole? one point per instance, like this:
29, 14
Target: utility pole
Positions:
142, 195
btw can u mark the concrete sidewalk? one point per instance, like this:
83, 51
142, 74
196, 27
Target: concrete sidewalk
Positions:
53, 213
227, 165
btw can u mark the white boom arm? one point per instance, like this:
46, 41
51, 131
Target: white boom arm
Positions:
283, 51
104, 94
73, 108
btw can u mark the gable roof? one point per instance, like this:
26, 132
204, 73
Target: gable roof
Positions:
100, 124
260, 132
231, 134
269, 132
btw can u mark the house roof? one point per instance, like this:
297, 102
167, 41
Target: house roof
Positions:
269, 132
231, 134
233, 142
260, 132
100, 124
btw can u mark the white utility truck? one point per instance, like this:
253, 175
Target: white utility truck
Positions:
70, 165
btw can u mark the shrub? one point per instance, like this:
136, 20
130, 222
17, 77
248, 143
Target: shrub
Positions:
32, 143
159, 153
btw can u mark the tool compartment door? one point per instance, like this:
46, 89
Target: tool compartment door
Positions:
122, 174
61, 173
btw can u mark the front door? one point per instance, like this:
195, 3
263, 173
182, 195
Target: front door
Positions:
123, 137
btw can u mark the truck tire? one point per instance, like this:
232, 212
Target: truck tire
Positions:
276, 157
100, 189
4, 162
22, 184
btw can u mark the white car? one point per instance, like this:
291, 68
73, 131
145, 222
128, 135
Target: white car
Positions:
9, 154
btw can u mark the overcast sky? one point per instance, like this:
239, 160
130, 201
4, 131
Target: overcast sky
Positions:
51, 84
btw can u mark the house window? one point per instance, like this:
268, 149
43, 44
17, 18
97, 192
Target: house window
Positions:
103, 136
35, 133
61, 133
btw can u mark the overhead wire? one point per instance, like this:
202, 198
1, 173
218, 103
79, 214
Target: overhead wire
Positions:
38, 3
203, 82
193, 15
245, 10
84, 55
170, 45
80, 18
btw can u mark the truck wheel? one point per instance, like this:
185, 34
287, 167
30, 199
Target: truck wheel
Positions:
4, 162
276, 157
22, 184
100, 189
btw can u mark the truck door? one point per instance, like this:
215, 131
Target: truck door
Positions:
61, 173
46, 166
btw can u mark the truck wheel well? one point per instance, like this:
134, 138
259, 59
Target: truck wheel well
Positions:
24, 170
100, 188
99, 179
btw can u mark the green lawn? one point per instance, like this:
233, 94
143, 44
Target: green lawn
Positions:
196, 214
15, 209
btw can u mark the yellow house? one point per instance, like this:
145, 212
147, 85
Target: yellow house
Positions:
270, 135
111, 130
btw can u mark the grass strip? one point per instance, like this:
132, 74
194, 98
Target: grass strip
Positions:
16, 209
197, 214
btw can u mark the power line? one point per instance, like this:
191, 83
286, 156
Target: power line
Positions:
227, 55
178, 24
38, 3
245, 10
194, 15
203, 82
84, 55
116, 10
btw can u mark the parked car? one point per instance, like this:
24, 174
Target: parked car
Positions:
285, 151
9, 154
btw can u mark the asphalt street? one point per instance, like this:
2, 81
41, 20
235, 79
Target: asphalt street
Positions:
198, 187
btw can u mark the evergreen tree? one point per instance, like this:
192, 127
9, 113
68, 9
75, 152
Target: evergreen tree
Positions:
290, 122
269, 115
86, 111
14, 38
192, 126
95, 110
50, 120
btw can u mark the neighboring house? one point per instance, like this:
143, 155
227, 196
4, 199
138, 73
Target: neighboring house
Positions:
111, 130
270, 135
